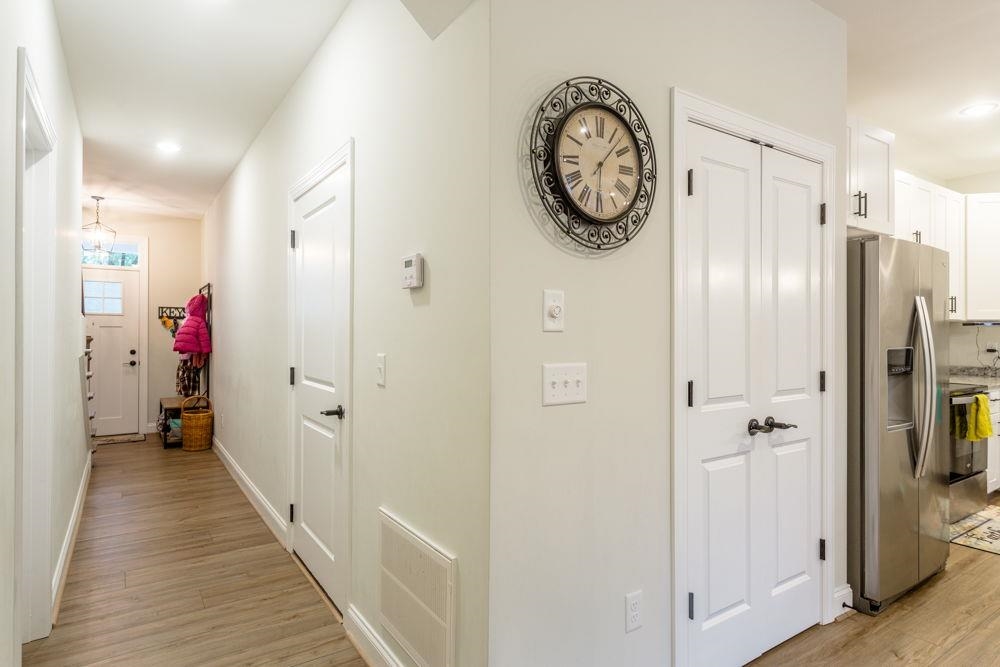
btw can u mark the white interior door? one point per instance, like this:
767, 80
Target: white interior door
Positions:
111, 307
754, 339
322, 215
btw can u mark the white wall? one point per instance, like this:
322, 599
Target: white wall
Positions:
580, 494
174, 271
31, 23
976, 184
418, 111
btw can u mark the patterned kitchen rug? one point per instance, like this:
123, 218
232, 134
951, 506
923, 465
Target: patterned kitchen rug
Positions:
979, 531
116, 439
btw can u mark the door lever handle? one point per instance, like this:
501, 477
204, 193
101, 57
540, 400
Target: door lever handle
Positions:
338, 413
769, 421
754, 427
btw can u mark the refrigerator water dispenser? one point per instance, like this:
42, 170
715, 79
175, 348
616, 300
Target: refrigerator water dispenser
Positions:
899, 388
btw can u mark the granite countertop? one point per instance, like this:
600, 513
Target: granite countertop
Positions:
976, 375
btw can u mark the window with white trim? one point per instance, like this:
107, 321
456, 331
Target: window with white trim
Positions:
102, 297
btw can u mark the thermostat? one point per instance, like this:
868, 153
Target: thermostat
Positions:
413, 271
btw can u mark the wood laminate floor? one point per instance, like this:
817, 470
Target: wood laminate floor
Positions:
174, 567
953, 619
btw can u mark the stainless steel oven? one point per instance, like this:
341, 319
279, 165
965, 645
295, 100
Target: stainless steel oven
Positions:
967, 474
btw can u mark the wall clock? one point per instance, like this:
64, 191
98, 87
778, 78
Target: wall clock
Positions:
593, 163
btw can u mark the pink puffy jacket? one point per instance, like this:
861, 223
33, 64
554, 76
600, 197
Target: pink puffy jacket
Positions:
192, 337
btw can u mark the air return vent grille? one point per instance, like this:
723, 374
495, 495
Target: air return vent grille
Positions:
417, 593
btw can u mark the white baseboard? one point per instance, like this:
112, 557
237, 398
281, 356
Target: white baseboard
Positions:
150, 427
370, 645
272, 518
841, 595
69, 539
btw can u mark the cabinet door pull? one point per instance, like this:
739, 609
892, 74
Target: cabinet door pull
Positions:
865, 215
858, 212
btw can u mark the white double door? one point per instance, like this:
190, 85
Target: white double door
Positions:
322, 218
754, 341
111, 308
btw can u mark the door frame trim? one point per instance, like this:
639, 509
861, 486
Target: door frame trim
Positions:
344, 154
33, 389
143, 269
686, 107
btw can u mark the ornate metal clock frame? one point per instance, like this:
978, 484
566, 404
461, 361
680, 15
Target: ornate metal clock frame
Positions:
557, 106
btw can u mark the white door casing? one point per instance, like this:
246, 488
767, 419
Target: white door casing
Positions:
34, 335
738, 302
116, 355
321, 218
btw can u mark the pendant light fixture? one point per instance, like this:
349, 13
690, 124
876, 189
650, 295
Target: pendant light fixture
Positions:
101, 237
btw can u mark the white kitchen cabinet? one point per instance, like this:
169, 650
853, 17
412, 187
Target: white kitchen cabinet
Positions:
955, 245
871, 169
982, 229
993, 463
914, 208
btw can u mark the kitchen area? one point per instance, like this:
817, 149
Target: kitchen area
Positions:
924, 369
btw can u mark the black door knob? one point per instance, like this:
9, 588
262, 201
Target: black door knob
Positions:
338, 413
782, 425
133, 362
131, 351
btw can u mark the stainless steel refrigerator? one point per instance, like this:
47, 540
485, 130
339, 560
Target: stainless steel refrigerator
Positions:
898, 413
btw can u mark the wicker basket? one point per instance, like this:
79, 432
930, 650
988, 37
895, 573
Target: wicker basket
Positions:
196, 424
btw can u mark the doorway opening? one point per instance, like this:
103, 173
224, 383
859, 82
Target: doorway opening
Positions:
114, 304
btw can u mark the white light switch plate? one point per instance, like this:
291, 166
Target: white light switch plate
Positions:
563, 384
553, 310
380, 369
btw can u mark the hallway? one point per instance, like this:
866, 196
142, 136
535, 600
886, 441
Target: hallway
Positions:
174, 567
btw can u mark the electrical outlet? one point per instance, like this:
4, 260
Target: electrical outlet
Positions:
633, 611
380, 369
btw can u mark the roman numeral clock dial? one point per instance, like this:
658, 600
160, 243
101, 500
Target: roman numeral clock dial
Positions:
592, 162
598, 163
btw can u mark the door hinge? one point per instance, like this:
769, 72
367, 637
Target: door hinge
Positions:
822, 380
291, 513
291, 375
690, 393
822, 549
293, 239
690, 182
822, 214
691, 606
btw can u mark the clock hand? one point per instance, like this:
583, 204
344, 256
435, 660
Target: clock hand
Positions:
600, 164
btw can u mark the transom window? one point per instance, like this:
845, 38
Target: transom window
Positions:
102, 297
124, 254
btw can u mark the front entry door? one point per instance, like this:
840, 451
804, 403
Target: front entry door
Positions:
322, 223
754, 343
111, 308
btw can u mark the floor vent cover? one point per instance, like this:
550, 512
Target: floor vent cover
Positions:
417, 593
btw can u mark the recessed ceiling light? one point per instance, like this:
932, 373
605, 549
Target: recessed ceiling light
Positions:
168, 147
979, 109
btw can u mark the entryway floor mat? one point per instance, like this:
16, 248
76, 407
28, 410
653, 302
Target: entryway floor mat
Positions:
979, 531
116, 439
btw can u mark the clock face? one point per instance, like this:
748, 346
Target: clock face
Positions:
598, 163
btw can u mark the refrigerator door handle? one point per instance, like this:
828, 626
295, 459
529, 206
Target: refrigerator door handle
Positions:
930, 385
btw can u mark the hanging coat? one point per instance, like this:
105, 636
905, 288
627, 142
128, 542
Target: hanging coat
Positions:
192, 337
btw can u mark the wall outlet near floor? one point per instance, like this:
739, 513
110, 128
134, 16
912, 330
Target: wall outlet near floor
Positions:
633, 611
563, 384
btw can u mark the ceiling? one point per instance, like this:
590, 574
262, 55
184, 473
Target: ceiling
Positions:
206, 74
912, 65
